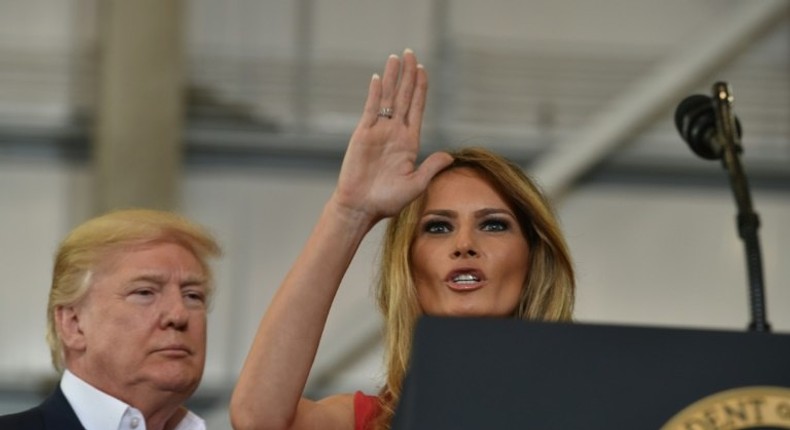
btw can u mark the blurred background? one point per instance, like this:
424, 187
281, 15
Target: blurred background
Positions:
237, 113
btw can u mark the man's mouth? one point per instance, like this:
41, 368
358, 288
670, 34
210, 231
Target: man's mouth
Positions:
174, 351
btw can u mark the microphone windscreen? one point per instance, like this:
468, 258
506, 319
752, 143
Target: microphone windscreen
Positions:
695, 119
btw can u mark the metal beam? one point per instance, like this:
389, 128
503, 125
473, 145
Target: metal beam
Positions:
668, 83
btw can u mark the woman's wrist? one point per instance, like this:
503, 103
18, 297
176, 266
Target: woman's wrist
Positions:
351, 218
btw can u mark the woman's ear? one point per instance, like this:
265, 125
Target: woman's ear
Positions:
67, 324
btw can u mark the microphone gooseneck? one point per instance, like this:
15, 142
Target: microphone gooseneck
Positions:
713, 132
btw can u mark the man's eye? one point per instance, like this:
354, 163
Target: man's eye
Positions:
195, 297
143, 295
437, 227
495, 225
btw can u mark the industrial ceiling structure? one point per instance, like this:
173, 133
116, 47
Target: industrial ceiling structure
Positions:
567, 88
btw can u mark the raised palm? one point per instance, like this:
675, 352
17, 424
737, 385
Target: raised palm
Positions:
380, 174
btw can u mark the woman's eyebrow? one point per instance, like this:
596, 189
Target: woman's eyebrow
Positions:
441, 212
494, 211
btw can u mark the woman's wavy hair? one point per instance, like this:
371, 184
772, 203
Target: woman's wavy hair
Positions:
85, 247
548, 294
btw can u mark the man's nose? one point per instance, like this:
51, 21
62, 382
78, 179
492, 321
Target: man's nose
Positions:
174, 310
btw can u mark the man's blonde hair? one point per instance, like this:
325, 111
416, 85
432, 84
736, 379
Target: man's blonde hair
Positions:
86, 245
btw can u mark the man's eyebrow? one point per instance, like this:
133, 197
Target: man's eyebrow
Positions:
200, 280
152, 277
160, 278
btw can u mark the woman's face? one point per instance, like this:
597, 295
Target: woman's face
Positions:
469, 256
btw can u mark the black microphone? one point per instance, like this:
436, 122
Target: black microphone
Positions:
695, 119
713, 132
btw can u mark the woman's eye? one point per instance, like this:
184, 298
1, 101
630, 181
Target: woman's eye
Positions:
495, 225
437, 227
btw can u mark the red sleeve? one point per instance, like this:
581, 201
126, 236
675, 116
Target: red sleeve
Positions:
366, 408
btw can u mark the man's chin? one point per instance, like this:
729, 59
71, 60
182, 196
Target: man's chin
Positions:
183, 381
172, 385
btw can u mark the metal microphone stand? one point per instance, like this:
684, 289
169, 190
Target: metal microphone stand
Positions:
748, 221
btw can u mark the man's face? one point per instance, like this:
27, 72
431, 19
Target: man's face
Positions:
143, 323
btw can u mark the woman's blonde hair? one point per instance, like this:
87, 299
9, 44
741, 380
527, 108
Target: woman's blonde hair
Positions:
548, 294
86, 245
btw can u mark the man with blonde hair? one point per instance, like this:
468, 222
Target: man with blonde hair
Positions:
126, 324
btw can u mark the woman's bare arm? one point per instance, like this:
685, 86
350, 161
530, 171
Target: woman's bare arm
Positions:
378, 177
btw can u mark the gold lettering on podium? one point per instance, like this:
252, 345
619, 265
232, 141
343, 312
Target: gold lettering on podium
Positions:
736, 409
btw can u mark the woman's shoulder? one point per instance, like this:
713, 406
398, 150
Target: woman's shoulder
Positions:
333, 412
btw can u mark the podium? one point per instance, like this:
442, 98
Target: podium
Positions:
480, 373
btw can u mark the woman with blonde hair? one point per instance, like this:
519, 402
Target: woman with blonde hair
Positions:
470, 235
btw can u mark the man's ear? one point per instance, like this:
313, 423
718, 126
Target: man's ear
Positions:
67, 323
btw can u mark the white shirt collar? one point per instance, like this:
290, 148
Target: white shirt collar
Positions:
97, 410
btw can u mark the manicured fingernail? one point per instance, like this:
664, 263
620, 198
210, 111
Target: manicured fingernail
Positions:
420, 66
408, 51
375, 76
393, 56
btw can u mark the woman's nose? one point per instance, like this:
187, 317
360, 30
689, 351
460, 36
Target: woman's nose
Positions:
464, 245
464, 252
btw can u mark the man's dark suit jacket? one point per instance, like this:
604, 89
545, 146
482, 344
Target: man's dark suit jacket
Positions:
54, 413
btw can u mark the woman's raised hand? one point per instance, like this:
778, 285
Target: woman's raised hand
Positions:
379, 174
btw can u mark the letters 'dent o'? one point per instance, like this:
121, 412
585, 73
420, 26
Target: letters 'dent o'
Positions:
759, 407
